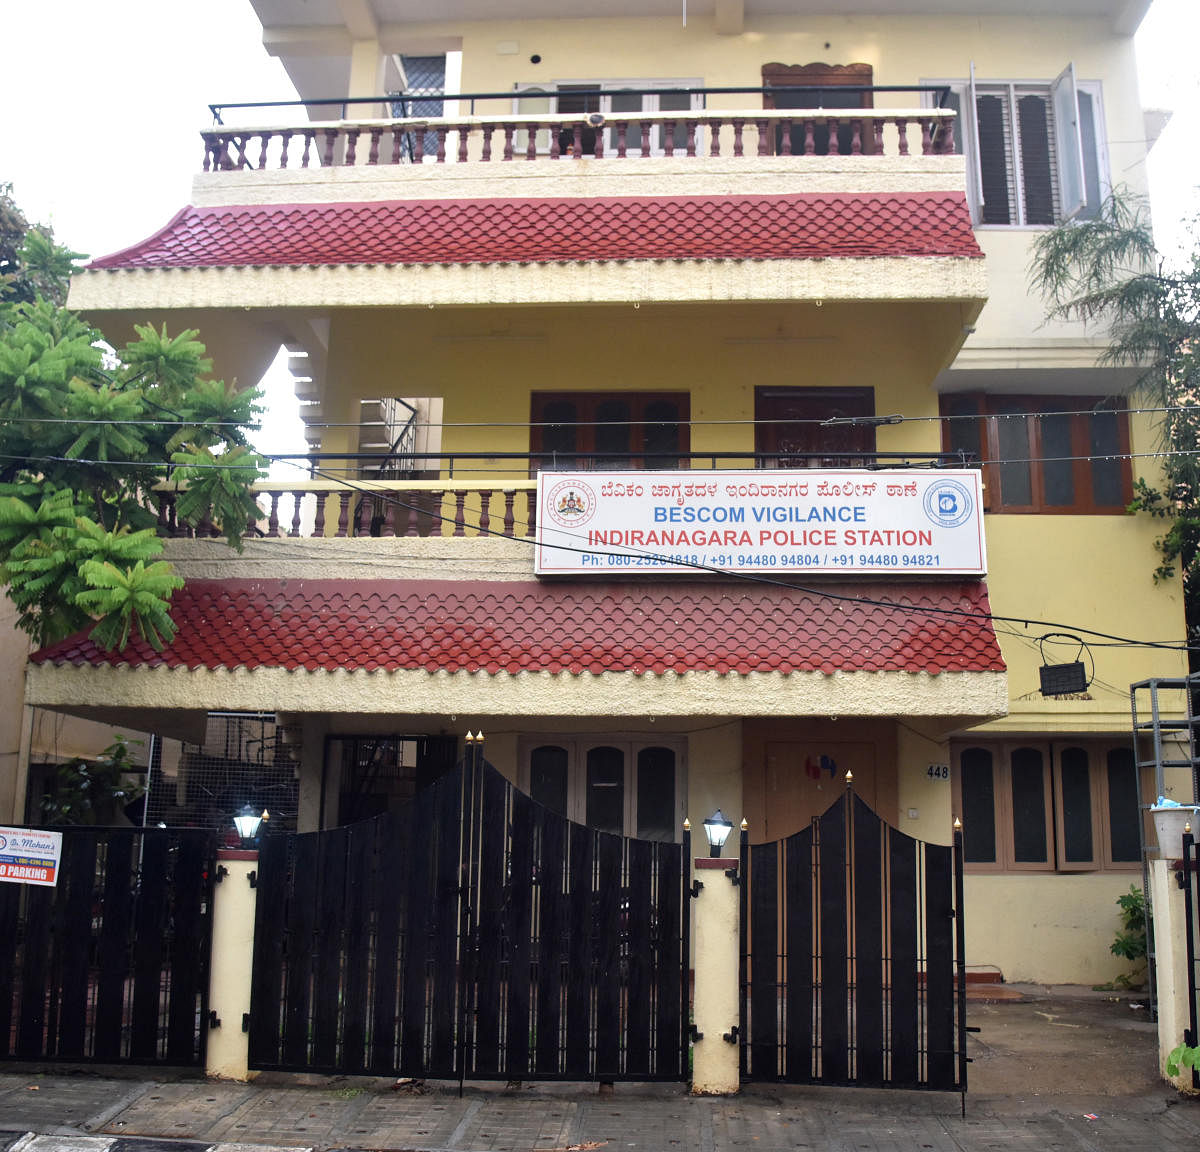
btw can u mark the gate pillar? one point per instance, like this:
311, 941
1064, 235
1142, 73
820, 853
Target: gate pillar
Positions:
234, 902
1168, 899
718, 951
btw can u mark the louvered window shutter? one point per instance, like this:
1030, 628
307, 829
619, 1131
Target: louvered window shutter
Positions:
995, 163
1039, 162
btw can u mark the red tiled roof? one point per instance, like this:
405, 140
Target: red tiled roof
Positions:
805, 226
522, 626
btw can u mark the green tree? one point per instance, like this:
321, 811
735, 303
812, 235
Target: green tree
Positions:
1107, 273
84, 438
43, 268
93, 791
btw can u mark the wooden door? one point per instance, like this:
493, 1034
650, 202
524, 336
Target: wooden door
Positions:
826, 86
790, 433
802, 778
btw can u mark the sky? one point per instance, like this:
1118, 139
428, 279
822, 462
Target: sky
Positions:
101, 140
99, 124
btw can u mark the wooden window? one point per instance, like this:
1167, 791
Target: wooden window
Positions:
1028, 824
1071, 807
656, 784
1121, 840
629, 787
1064, 454
1075, 814
605, 804
548, 777
978, 789
574, 431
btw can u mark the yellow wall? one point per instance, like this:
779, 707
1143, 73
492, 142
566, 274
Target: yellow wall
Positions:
715, 780
485, 364
901, 49
1046, 928
1080, 572
920, 791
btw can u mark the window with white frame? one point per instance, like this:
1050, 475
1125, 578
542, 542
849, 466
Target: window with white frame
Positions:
608, 98
1035, 149
627, 786
1035, 806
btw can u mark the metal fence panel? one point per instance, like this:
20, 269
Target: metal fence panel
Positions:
852, 934
481, 935
111, 965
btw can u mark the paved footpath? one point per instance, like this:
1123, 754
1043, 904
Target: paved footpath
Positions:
87, 1113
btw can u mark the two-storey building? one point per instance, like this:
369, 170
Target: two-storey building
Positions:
762, 267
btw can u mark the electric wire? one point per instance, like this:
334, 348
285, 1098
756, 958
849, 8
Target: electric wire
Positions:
355, 466
820, 593
385, 498
1038, 413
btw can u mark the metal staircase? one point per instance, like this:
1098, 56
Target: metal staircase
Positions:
1166, 725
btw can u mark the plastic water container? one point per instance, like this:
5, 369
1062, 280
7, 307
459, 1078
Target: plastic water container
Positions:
1169, 824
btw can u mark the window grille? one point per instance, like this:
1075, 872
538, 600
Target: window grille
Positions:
244, 759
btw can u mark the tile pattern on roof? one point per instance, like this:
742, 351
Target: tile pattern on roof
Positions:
524, 626
804, 226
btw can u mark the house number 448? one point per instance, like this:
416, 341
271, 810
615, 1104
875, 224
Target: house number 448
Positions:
938, 772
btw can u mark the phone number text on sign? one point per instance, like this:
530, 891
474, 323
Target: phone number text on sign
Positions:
924, 521
30, 856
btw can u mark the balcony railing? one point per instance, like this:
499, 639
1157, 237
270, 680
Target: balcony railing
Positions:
497, 505
517, 135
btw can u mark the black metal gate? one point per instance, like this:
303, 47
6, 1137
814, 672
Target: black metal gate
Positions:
111, 965
851, 944
1190, 880
474, 935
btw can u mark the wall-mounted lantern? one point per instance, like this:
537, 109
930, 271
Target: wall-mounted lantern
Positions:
717, 829
247, 822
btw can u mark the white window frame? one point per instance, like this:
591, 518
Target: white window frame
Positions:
1066, 140
608, 89
577, 747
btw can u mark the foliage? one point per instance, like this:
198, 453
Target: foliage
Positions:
84, 439
89, 791
1131, 940
1183, 1056
1107, 272
31, 264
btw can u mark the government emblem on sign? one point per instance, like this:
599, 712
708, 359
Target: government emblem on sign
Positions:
947, 503
571, 503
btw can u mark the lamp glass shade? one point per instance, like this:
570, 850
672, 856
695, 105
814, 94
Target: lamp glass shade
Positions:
247, 821
716, 830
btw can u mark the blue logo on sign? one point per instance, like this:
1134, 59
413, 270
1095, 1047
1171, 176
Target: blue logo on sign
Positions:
948, 503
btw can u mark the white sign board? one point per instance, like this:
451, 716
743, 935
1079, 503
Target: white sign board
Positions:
785, 522
30, 856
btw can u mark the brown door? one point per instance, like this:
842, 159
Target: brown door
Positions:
790, 431
802, 778
825, 86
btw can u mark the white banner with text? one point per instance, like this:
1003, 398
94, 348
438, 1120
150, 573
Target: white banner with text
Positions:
923, 521
30, 856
